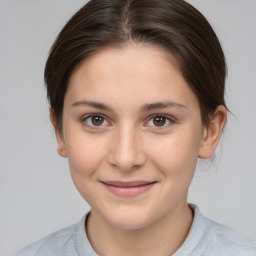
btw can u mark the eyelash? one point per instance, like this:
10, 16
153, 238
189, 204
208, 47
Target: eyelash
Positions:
91, 116
168, 119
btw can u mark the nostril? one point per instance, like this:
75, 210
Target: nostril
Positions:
126, 162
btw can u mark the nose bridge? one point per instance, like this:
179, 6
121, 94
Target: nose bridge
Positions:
126, 150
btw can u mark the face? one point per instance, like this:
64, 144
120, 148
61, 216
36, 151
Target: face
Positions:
132, 132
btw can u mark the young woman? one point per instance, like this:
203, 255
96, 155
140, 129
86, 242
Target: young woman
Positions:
136, 92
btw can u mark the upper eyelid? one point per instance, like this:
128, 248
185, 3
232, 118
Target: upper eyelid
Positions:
83, 119
92, 115
162, 115
172, 119
161, 128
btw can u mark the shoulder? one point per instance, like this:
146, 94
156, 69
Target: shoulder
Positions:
218, 239
57, 243
226, 241
71, 240
209, 238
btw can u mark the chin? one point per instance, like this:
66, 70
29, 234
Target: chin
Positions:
129, 219
130, 224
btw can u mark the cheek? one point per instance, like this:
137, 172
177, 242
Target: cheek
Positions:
85, 156
176, 156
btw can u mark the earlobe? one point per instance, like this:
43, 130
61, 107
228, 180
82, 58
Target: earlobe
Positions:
61, 148
212, 133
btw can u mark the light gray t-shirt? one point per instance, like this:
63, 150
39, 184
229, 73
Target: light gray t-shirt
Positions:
205, 238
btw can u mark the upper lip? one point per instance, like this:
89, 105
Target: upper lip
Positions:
123, 184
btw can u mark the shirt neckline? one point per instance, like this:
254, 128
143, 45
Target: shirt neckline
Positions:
200, 228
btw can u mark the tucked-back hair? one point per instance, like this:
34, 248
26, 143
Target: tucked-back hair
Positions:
173, 25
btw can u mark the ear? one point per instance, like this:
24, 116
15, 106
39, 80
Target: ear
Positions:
61, 148
212, 133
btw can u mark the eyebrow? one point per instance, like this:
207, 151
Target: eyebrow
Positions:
144, 108
161, 105
93, 104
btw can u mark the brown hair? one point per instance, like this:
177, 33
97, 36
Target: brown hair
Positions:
174, 25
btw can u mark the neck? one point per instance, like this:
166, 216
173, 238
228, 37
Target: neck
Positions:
162, 237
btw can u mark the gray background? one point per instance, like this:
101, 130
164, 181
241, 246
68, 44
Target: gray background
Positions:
37, 195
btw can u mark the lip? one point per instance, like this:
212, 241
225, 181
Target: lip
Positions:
128, 189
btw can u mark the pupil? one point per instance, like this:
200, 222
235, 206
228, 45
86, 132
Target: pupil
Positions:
97, 120
159, 121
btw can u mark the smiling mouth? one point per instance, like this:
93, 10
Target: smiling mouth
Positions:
128, 189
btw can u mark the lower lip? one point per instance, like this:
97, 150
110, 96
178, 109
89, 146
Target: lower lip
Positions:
128, 191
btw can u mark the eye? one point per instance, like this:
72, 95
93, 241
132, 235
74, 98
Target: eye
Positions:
95, 120
160, 121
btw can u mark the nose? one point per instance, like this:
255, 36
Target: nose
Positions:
126, 149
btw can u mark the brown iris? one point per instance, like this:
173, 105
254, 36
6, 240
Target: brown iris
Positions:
159, 120
97, 120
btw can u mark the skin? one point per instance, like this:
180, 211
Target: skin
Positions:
129, 145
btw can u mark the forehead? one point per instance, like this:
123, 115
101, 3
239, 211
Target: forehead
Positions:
136, 73
132, 59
